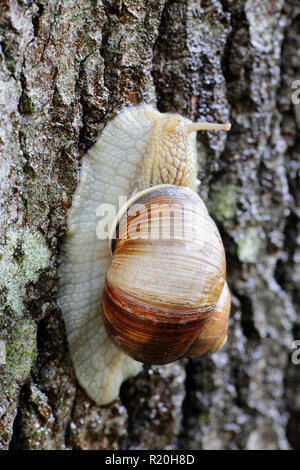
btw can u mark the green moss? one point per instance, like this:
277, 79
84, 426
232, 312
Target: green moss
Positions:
21, 349
27, 104
10, 63
249, 245
21, 259
222, 202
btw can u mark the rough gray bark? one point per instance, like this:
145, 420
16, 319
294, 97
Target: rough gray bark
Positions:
66, 67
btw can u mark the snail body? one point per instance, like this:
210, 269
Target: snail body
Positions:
159, 296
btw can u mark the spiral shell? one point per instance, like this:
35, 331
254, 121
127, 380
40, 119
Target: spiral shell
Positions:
214, 334
166, 276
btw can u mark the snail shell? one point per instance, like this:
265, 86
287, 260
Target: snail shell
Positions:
214, 334
166, 276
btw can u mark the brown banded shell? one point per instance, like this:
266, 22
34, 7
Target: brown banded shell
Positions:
214, 334
166, 276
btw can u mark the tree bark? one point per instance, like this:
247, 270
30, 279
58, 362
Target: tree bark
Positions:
66, 68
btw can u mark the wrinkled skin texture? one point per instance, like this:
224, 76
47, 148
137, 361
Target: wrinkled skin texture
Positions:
65, 69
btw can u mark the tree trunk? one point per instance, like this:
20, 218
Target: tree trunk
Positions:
66, 68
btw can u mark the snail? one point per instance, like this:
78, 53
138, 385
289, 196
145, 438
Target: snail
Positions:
133, 299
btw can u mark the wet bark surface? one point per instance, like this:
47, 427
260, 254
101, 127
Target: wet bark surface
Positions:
66, 68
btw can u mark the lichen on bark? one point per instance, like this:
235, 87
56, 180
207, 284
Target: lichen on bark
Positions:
66, 68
